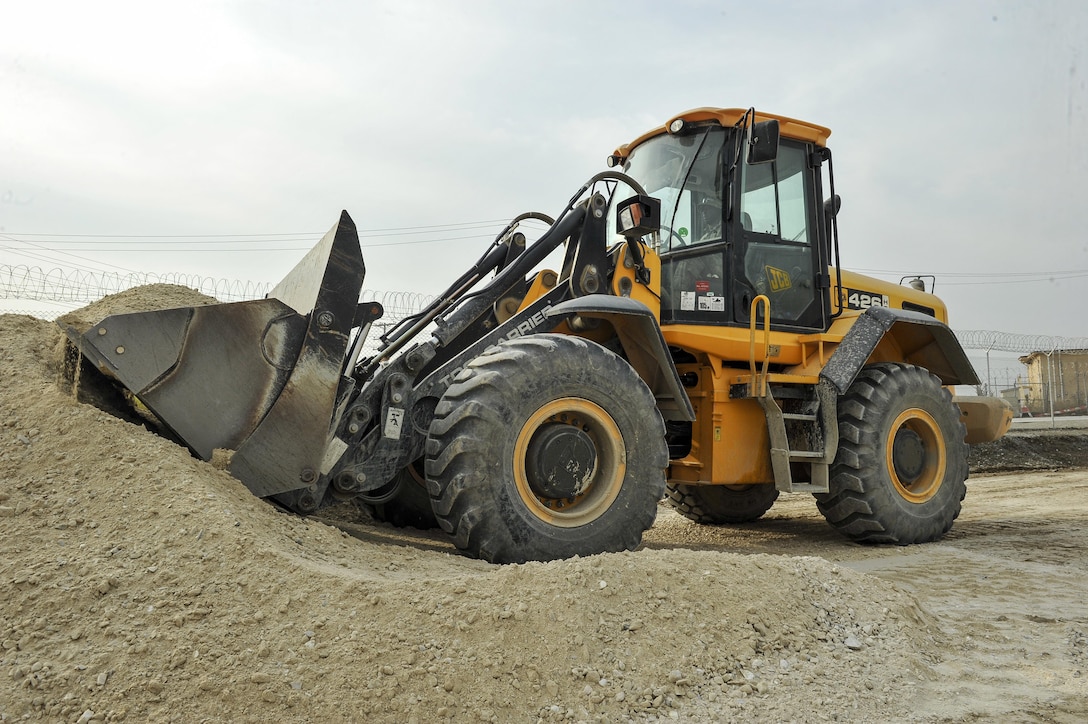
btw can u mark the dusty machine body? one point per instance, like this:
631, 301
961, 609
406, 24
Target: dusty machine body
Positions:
700, 342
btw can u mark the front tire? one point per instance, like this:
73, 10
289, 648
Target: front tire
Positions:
717, 504
899, 475
546, 447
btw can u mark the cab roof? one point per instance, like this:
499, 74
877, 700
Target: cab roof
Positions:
727, 117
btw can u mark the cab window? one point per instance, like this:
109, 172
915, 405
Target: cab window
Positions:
775, 257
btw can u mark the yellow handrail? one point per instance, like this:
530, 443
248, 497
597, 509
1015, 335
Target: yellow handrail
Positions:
761, 388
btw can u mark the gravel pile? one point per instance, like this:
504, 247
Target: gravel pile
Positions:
1031, 450
140, 584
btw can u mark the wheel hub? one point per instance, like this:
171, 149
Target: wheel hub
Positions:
908, 455
560, 461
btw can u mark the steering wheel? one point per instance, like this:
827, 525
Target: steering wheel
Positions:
669, 233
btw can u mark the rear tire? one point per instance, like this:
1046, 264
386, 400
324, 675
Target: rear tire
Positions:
717, 504
899, 475
546, 447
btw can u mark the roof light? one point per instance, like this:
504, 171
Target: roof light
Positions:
676, 125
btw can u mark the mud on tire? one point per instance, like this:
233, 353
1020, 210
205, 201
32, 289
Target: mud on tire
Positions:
546, 447
899, 475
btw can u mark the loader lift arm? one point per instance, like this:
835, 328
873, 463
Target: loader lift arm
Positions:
385, 428
276, 383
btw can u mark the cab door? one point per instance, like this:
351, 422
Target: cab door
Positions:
777, 250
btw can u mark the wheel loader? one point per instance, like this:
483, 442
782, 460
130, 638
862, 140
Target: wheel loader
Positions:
698, 343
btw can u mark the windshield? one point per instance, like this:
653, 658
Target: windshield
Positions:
684, 172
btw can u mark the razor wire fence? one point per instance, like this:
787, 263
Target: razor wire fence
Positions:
33, 283
1051, 378
50, 293
986, 339
73, 286
29, 289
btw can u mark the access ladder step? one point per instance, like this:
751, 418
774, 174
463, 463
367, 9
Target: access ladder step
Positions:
807, 488
783, 479
803, 417
806, 430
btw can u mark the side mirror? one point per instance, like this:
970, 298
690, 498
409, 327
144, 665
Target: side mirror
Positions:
763, 142
832, 206
635, 218
831, 211
638, 216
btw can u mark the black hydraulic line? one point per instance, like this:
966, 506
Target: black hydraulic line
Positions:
464, 316
489, 261
535, 253
565, 225
522, 217
568, 222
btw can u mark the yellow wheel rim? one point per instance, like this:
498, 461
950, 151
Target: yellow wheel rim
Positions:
916, 455
607, 477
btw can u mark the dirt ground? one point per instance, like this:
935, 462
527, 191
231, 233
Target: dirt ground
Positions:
140, 584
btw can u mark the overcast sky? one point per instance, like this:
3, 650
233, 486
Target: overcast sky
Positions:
137, 136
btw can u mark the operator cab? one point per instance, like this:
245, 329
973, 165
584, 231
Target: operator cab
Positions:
740, 217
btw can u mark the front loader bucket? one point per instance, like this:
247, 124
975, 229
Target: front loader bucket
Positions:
259, 378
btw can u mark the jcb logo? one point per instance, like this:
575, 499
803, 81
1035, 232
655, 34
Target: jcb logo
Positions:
778, 279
